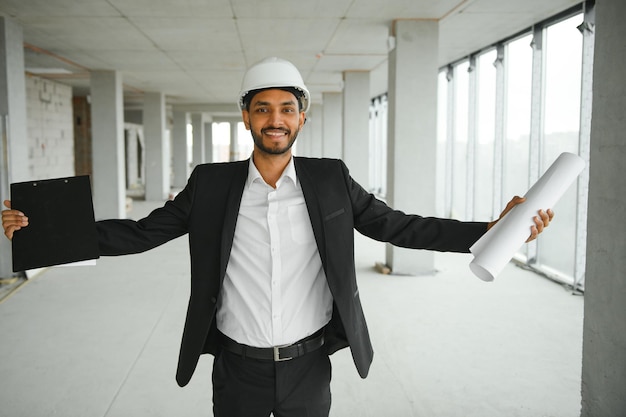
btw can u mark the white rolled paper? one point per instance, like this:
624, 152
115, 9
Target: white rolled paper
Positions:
496, 247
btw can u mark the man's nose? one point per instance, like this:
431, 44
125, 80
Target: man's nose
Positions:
276, 118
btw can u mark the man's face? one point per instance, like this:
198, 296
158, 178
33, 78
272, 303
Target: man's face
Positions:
274, 120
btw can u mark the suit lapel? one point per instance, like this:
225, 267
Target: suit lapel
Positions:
305, 176
233, 201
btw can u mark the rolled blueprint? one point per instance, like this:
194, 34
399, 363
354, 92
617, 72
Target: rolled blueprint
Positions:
496, 247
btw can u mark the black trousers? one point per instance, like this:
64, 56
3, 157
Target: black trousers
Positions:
244, 387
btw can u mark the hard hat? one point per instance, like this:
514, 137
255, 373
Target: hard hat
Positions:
274, 72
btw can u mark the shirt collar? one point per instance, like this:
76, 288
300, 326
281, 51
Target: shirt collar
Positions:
289, 172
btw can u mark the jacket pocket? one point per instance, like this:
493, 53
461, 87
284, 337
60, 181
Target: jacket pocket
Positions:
334, 214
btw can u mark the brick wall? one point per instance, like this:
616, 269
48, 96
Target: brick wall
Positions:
50, 129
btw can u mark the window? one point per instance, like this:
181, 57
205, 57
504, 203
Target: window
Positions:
563, 60
221, 141
378, 145
484, 141
245, 144
504, 116
459, 141
442, 181
518, 85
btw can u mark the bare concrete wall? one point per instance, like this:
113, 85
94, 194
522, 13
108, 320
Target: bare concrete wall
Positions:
604, 337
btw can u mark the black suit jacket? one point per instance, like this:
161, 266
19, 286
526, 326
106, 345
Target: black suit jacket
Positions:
207, 211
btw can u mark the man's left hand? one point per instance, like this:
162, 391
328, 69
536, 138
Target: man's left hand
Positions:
542, 219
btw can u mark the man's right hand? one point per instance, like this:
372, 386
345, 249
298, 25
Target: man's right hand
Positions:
12, 220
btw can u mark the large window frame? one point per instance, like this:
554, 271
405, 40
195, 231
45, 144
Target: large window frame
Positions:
530, 254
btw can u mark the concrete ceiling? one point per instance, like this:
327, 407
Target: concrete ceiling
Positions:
196, 51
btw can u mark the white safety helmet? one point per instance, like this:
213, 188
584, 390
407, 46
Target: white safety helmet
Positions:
274, 72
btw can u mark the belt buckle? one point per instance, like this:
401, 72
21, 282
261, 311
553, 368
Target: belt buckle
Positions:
277, 357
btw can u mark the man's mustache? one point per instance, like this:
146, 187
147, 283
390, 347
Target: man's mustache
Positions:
282, 129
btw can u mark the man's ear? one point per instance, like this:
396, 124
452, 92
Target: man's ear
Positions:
245, 116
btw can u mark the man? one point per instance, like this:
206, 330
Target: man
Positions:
273, 283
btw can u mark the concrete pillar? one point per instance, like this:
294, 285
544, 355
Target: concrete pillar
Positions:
315, 131
234, 140
132, 156
179, 149
197, 127
356, 103
604, 334
302, 147
157, 147
141, 157
332, 116
208, 139
412, 133
107, 124
13, 140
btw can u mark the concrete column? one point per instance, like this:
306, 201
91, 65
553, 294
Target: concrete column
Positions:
179, 149
302, 147
107, 124
141, 156
604, 334
356, 102
234, 140
13, 140
315, 131
412, 133
157, 147
197, 127
332, 133
132, 156
208, 140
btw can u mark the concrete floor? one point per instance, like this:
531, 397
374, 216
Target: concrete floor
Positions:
103, 341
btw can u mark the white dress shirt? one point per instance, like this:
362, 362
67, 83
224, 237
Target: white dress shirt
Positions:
275, 291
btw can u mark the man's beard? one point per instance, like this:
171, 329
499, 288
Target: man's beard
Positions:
275, 150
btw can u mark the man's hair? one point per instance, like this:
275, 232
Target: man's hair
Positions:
247, 99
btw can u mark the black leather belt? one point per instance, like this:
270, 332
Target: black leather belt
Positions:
277, 353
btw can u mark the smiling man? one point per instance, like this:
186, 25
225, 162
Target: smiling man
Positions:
274, 115
274, 119
271, 239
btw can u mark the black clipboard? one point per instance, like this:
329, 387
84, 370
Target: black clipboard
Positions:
61, 226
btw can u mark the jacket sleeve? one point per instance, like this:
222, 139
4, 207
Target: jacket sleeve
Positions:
373, 218
125, 236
